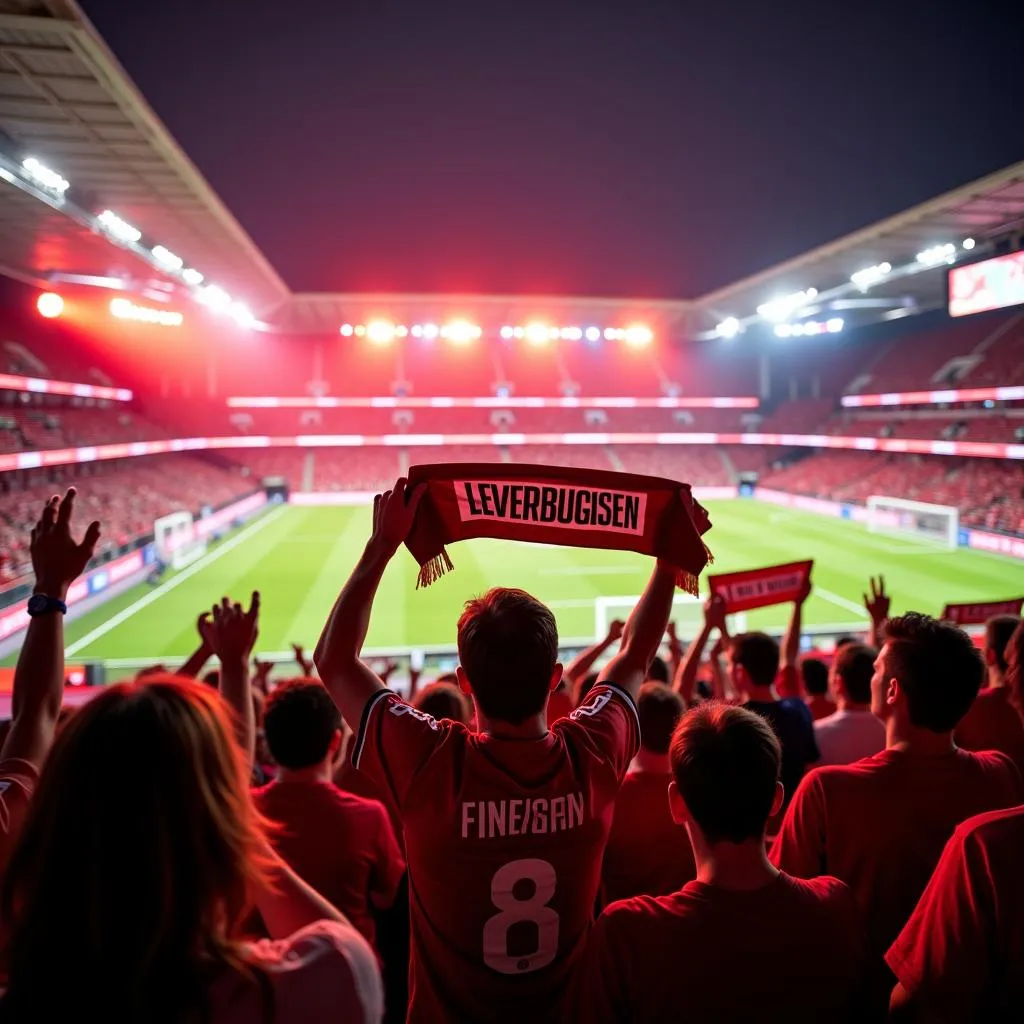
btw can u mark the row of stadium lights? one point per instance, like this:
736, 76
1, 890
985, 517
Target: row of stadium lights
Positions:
462, 332
120, 230
782, 309
51, 305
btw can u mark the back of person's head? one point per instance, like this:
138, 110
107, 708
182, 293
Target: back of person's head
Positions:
998, 631
844, 640
726, 763
508, 650
853, 666
301, 722
442, 700
758, 655
936, 666
815, 676
658, 672
1014, 656
138, 850
659, 709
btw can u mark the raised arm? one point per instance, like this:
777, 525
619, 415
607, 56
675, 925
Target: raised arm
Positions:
686, 674
584, 661
231, 634
57, 561
791, 641
197, 659
675, 650
877, 606
349, 681
643, 632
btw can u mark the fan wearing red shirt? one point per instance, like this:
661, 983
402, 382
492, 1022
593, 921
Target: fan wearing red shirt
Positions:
880, 824
993, 721
961, 955
504, 827
743, 941
648, 854
341, 844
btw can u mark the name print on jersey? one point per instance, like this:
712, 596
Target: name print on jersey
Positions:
489, 819
556, 505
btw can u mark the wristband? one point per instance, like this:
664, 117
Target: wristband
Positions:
42, 604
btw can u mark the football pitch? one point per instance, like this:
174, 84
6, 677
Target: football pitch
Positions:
299, 557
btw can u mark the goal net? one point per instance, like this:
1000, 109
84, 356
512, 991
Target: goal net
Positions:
919, 519
687, 614
177, 542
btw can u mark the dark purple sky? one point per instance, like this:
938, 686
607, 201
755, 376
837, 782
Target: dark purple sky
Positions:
635, 147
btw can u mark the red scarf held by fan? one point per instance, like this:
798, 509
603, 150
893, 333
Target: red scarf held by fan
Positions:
584, 508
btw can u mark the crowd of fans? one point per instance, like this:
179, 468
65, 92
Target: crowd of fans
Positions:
731, 834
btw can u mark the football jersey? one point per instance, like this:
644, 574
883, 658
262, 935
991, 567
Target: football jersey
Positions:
504, 839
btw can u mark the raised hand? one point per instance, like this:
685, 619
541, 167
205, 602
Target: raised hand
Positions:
261, 674
306, 664
57, 559
878, 603
393, 515
805, 590
229, 631
714, 611
615, 628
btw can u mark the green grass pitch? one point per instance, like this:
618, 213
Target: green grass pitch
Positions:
300, 557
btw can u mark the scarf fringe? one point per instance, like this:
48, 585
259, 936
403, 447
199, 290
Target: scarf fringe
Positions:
433, 569
688, 582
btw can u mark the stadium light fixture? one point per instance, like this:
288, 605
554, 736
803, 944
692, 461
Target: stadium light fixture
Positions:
538, 334
360, 331
191, 276
638, 336
118, 228
166, 258
937, 254
592, 334
786, 305
346, 330
416, 330
865, 278
834, 324
460, 332
969, 244
507, 332
50, 305
430, 331
728, 328
381, 332
215, 297
810, 328
519, 332
241, 314
39, 174
125, 309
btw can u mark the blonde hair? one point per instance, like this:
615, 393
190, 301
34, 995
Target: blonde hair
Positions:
125, 895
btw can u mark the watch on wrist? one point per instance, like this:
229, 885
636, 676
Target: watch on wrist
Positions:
43, 604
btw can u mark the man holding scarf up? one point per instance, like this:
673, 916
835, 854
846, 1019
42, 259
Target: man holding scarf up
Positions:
505, 827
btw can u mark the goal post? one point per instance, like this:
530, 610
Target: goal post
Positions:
177, 542
939, 524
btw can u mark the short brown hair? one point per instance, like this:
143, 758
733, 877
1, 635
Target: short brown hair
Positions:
998, 631
726, 762
938, 667
659, 709
508, 647
855, 665
758, 653
442, 700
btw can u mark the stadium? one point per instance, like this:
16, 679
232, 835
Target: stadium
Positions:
862, 404
654, 643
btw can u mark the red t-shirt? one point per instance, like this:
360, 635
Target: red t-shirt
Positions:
962, 952
341, 844
993, 723
821, 707
880, 825
647, 854
351, 780
790, 951
559, 706
504, 841
18, 779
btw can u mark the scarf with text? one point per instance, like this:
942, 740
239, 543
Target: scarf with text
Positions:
584, 508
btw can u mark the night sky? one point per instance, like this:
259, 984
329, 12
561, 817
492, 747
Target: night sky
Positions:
636, 148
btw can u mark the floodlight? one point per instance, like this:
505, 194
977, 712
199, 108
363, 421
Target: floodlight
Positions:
191, 276
728, 328
44, 176
214, 296
537, 334
834, 324
969, 244
593, 333
638, 336
460, 331
166, 258
783, 330
782, 308
118, 228
50, 305
507, 332
865, 278
380, 332
937, 254
346, 330
241, 314
430, 331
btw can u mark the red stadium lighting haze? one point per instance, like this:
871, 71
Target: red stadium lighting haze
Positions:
638, 336
381, 332
460, 332
538, 334
50, 305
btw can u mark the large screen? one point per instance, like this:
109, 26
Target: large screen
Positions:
990, 284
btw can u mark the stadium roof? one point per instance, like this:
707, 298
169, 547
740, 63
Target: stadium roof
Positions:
65, 100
